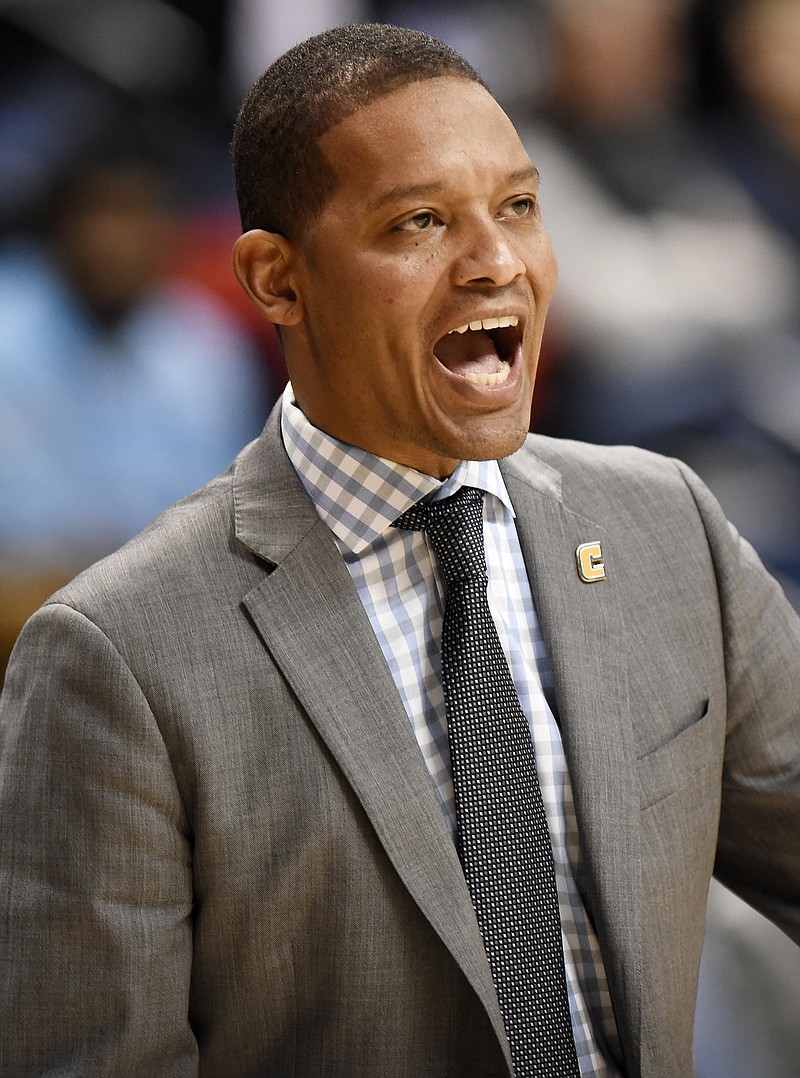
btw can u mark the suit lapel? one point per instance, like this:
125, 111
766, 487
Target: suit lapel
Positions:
311, 620
583, 625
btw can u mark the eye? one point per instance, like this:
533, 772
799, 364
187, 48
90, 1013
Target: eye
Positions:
419, 222
524, 206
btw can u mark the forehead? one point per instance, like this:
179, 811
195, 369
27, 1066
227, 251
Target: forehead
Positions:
432, 131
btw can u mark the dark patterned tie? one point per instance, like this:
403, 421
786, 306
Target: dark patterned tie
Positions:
504, 843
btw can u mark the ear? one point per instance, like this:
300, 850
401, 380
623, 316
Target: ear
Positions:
263, 263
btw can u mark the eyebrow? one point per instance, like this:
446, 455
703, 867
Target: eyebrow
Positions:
409, 192
530, 172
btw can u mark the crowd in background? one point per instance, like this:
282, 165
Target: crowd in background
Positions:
667, 134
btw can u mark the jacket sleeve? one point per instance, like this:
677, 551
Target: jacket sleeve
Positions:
95, 866
758, 853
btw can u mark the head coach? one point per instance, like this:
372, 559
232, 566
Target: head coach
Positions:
406, 748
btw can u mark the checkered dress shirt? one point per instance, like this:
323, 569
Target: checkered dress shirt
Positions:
359, 495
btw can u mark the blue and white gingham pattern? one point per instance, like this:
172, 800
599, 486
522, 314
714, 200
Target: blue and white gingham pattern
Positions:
359, 495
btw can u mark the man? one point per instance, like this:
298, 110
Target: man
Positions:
229, 816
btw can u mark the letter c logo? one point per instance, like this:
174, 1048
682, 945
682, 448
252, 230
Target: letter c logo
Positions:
591, 566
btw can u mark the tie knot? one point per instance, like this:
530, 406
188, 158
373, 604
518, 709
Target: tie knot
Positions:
454, 526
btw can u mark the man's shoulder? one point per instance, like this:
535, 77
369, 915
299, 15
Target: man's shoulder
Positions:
576, 462
199, 544
621, 486
183, 553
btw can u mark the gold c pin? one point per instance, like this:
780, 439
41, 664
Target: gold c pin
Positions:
591, 566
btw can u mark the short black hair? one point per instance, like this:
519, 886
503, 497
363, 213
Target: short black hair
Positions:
283, 179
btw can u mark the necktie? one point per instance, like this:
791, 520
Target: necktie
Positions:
504, 843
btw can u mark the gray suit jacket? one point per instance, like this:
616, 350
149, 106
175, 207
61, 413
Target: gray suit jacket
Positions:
220, 849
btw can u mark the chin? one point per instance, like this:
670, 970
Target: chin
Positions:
492, 444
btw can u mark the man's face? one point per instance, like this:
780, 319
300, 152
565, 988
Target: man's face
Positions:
434, 226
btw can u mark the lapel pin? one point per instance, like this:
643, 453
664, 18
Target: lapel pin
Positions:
591, 566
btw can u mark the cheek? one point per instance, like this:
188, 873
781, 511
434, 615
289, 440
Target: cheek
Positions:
372, 305
543, 277
544, 259
552, 279
393, 306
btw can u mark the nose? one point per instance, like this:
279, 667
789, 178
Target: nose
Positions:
487, 256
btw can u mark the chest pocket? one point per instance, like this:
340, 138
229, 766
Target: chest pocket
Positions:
675, 765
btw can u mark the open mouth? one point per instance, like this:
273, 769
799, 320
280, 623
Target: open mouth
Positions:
482, 351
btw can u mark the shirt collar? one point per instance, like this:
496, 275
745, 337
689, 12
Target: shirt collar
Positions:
358, 494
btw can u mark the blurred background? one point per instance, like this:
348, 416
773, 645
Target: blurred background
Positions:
132, 369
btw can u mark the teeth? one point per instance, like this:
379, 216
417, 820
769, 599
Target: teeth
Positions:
495, 379
489, 323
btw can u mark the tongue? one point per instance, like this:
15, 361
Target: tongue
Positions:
473, 350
